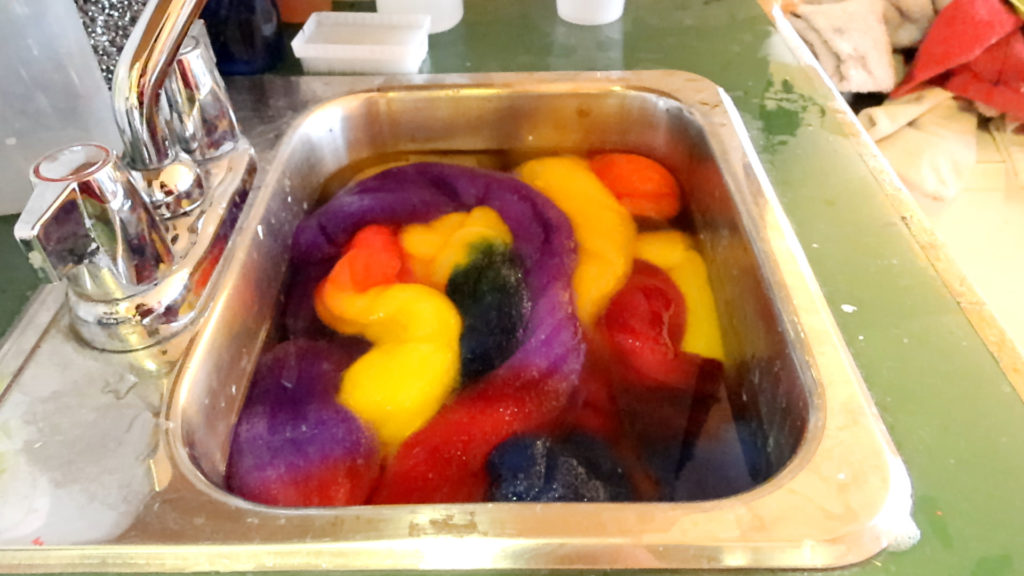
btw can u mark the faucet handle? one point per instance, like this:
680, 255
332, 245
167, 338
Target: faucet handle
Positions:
201, 114
87, 221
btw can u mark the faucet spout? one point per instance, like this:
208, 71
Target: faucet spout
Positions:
144, 65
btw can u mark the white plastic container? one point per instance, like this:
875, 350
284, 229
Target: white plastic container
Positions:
590, 12
444, 14
52, 95
362, 43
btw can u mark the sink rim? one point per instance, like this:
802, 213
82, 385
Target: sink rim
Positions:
865, 532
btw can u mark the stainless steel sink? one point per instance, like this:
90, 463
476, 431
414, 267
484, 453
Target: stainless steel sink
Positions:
155, 430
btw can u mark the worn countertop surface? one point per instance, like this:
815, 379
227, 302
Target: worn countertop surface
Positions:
952, 413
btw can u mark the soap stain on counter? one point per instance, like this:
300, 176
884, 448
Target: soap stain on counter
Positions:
121, 387
88, 449
84, 475
21, 488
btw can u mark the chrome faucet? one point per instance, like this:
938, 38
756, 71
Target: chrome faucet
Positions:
142, 111
138, 238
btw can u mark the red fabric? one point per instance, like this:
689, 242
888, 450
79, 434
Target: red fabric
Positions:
961, 32
1003, 63
995, 78
969, 85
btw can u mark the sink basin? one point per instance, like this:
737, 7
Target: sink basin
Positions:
830, 489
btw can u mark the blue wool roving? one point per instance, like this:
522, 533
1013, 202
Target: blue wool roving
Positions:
578, 468
490, 294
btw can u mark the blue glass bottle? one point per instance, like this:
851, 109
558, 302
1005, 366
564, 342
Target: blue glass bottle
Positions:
245, 35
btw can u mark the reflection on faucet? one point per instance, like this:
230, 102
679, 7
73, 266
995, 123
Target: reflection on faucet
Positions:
138, 240
205, 123
245, 35
140, 74
172, 181
94, 226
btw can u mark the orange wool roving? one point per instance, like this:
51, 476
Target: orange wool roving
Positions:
642, 185
373, 258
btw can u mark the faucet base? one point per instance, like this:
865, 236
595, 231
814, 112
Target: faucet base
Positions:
174, 189
165, 307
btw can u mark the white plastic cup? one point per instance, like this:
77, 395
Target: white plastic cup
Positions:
444, 14
590, 12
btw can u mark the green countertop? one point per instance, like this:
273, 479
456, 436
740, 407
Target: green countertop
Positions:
17, 280
954, 417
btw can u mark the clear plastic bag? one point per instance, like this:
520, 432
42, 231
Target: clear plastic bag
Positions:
52, 93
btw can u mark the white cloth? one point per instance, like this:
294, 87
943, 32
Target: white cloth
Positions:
851, 41
908, 20
881, 121
930, 139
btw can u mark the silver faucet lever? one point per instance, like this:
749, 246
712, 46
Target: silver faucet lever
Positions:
87, 222
141, 71
172, 181
202, 118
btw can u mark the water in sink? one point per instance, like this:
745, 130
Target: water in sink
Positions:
535, 401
